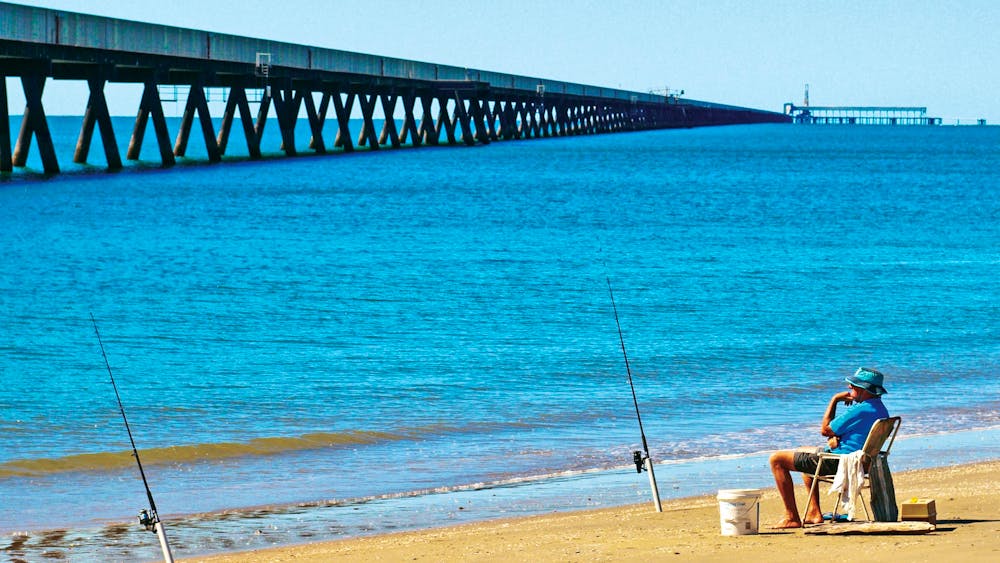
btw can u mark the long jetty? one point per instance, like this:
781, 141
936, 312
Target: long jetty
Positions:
422, 103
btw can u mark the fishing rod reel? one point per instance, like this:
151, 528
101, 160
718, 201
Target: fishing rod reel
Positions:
639, 460
148, 519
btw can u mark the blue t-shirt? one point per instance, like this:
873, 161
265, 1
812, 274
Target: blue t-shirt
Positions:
853, 425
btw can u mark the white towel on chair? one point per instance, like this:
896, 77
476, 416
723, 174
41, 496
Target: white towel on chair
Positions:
850, 477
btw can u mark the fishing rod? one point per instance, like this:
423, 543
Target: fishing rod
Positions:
642, 461
149, 519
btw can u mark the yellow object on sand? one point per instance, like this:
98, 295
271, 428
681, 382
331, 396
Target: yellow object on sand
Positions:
918, 509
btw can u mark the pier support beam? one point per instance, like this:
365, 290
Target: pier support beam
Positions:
367, 103
546, 121
35, 124
409, 129
97, 112
6, 161
196, 102
324, 107
238, 101
462, 117
429, 133
286, 107
315, 121
534, 130
389, 133
508, 121
445, 121
343, 110
262, 111
476, 110
151, 108
489, 115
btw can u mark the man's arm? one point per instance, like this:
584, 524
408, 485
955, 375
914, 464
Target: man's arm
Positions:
831, 412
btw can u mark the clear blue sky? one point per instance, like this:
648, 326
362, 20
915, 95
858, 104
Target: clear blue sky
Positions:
755, 53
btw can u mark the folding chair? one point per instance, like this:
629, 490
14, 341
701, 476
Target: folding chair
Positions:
883, 429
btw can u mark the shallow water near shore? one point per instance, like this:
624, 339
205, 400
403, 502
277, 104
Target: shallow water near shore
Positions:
380, 338
266, 526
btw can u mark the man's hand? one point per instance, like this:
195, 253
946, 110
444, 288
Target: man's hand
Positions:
844, 397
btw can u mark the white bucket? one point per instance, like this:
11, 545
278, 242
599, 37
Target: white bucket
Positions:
739, 511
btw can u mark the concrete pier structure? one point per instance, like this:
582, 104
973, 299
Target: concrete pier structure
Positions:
860, 115
426, 103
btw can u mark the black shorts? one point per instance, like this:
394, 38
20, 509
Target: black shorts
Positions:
806, 463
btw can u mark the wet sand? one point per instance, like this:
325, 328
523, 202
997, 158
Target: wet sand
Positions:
968, 525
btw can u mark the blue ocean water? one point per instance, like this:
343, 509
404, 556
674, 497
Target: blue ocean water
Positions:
309, 339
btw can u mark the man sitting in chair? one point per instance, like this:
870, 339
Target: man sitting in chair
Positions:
845, 434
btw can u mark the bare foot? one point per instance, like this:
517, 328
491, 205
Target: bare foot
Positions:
814, 520
787, 524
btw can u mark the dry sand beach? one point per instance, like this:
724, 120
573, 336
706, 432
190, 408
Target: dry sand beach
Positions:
968, 512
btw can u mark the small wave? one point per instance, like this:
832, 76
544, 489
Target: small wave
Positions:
108, 461
111, 461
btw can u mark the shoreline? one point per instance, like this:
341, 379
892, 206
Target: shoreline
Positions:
966, 497
607, 487
263, 527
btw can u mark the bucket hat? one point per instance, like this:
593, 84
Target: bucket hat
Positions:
868, 379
